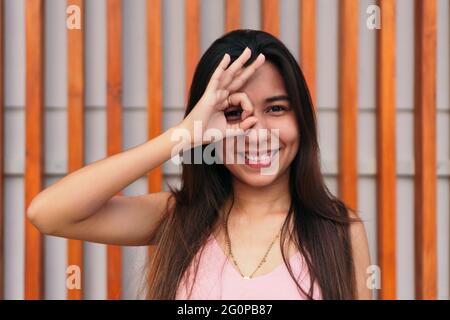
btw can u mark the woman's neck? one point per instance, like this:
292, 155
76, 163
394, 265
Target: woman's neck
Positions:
256, 202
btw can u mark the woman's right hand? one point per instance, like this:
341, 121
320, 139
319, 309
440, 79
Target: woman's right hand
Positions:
209, 112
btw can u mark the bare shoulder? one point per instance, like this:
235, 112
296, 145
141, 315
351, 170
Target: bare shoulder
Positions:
361, 256
357, 229
163, 204
358, 234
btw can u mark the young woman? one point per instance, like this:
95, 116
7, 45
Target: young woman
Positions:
229, 232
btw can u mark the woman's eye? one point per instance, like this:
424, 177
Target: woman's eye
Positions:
277, 109
233, 114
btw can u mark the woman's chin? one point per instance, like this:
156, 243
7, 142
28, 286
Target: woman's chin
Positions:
259, 177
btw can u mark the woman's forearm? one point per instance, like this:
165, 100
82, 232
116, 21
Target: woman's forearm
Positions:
79, 194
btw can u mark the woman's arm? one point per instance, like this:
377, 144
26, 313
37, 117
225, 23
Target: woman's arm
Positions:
84, 204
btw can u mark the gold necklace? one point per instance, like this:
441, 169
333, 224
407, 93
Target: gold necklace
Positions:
230, 253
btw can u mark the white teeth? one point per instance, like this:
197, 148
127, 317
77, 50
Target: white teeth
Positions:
263, 158
258, 159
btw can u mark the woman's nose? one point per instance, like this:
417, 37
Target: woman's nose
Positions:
261, 123
260, 134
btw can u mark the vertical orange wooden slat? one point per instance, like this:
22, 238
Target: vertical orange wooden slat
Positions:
348, 101
192, 40
232, 15
425, 150
34, 118
114, 125
386, 150
154, 74
270, 16
154, 107
308, 44
75, 121
2, 187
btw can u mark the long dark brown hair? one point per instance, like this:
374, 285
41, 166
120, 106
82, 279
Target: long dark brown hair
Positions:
320, 221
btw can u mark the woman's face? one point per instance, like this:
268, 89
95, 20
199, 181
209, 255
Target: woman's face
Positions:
266, 152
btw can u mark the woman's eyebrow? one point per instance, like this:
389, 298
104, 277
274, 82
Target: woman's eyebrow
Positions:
276, 98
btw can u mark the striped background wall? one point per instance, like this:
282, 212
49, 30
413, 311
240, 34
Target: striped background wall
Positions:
71, 97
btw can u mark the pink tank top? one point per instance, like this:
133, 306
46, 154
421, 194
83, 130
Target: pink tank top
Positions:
217, 279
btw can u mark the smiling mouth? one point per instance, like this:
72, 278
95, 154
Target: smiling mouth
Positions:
259, 159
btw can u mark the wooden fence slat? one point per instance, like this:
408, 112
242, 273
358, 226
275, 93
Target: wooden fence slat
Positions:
308, 44
114, 125
75, 122
154, 74
34, 117
425, 150
348, 101
2, 182
154, 107
192, 40
232, 15
386, 150
270, 16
